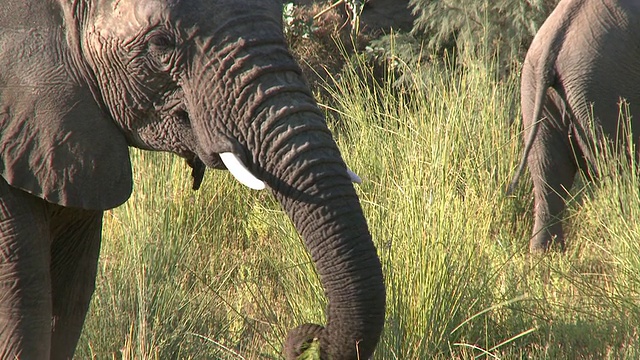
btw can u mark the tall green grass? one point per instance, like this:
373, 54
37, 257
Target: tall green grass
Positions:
221, 274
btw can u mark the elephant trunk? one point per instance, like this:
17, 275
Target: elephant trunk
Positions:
303, 167
263, 110
310, 181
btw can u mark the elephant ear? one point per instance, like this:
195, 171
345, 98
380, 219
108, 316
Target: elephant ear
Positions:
56, 142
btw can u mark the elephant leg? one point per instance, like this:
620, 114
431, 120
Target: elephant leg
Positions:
75, 248
25, 300
553, 169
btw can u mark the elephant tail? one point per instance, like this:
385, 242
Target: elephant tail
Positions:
528, 144
545, 78
540, 63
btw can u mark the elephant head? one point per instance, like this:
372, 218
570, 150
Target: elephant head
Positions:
211, 81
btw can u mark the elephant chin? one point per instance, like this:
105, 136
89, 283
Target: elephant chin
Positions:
299, 338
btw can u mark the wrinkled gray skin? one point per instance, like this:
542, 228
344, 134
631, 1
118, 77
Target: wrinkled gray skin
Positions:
81, 81
582, 62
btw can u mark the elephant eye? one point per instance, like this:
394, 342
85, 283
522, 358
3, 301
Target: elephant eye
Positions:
160, 48
161, 42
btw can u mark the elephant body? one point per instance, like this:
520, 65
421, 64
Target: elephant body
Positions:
581, 67
212, 82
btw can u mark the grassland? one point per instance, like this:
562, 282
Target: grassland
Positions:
221, 274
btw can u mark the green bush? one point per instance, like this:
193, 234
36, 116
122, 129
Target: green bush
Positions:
501, 26
450, 34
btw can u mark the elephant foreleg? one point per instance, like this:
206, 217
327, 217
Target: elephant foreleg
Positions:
74, 256
25, 301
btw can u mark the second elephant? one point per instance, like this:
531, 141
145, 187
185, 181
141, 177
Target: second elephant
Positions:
582, 64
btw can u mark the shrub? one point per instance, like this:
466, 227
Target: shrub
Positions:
497, 26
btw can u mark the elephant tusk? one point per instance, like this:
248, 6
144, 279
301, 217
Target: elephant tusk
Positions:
245, 177
240, 172
354, 177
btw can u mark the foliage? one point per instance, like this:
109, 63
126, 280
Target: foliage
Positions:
499, 26
295, 26
451, 33
312, 32
311, 351
398, 54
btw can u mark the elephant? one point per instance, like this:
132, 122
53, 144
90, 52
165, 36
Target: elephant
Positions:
213, 82
579, 73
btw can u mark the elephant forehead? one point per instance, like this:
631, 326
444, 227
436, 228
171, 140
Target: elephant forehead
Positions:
125, 17
151, 12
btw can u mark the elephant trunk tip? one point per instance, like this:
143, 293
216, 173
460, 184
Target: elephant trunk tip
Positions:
300, 339
312, 341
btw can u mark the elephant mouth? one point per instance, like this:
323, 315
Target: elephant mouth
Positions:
218, 152
221, 159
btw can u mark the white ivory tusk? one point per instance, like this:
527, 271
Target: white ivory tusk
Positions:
240, 172
354, 177
245, 177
